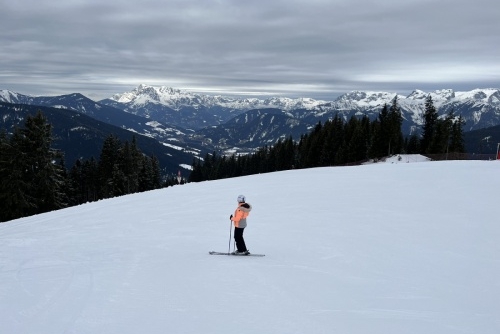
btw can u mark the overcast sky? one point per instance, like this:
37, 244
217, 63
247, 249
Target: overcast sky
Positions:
307, 48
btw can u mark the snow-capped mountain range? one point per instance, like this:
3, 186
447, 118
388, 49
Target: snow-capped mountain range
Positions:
188, 120
479, 107
177, 99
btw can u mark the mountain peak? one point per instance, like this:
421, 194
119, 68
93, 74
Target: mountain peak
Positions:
484, 95
366, 99
143, 94
11, 97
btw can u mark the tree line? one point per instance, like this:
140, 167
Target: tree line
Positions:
339, 142
34, 179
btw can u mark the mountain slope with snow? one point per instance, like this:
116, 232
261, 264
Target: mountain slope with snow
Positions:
405, 248
479, 108
176, 99
198, 122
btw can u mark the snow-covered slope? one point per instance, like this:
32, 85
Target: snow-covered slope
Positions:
406, 248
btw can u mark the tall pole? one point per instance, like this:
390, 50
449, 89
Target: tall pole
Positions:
498, 155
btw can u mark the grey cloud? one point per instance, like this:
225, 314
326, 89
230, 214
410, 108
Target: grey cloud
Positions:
297, 48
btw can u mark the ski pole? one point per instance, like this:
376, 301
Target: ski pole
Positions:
230, 229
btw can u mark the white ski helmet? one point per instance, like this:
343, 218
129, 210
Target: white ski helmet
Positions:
241, 199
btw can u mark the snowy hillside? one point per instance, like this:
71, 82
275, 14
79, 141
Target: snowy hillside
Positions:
404, 248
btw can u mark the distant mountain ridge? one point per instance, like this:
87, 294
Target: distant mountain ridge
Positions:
166, 134
199, 123
479, 107
82, 136
176, 99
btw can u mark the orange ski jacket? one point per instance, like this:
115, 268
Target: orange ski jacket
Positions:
240, 215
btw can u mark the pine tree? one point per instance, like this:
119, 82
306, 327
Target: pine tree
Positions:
457, 143
90, 175
374, 151
331, 140
429, 126
287, 155
15, 196
109, 157
118, 182
311, 150
412, 145
395, 135
155, 164
45, 176
146, 176
136, 156
76, 184
441, 141
358, 142
196, 174
381, 135
387, 138
31, 179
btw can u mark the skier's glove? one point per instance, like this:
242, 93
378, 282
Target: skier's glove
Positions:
230, 217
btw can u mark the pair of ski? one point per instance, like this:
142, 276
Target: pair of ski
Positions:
222, 253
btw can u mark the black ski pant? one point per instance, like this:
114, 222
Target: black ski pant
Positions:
238, 237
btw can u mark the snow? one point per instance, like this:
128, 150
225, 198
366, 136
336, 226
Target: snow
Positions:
175, 147
406, 248
478, 94
188, 167
8, 96
362, 101
406, 158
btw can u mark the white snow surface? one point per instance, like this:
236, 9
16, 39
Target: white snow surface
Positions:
381, 248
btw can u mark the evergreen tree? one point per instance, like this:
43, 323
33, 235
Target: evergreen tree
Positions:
90, 175
429, 126
76, 184
15, 195
128, 167
286, 155
31, 179
136, 156
457, 143
358, 142
387, 138
110, 156
381, 136
45, 176
395, 121
156, 172
442, 134
118, 183
374, 144
412, 145
311, 150
331, 140
146, 175
196, 174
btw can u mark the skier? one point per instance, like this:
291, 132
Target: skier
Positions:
240, 222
